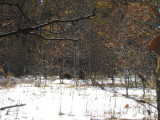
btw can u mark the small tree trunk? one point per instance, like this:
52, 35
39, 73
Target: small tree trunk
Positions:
1, 11
143, 83
157, 81
158, 96
135, 80
126, 83
76, 61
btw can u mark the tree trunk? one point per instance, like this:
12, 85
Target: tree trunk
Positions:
157, 81
76, 61
0, 20
19, 68
158, 98
135, 80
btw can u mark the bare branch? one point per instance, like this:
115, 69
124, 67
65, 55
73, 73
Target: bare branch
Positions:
52, 31
3, 108
27, 30
132, 98
142, 77
8, 3
62, 21
19, 8
9, 33
8, 23
56, 39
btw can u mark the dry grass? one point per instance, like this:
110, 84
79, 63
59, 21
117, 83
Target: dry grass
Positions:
8, 83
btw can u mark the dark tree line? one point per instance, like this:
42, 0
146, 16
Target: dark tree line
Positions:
55, 37
25, 28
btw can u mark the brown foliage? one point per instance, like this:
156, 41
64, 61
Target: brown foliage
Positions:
155, 45
126, 106
4, 83
7, 83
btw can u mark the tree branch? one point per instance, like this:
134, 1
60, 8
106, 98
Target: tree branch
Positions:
8, 3
61, 21
132, 98
27, 30
3, 108
57, 39
19, 8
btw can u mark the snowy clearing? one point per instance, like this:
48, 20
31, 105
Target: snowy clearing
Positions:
67, 102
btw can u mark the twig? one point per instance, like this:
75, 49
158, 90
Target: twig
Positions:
3, 108
55, 39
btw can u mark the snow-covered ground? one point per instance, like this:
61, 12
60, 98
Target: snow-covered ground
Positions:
67, 102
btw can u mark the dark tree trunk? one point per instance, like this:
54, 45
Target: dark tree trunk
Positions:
0, 20
158, 97
156, 79
19, 67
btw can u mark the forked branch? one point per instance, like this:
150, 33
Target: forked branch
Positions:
28, 30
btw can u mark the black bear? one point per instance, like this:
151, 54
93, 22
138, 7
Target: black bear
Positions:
81, 74
65, 76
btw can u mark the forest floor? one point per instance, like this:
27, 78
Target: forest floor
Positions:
54, 101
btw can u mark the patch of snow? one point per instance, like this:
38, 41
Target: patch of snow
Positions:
67, 102
133, 116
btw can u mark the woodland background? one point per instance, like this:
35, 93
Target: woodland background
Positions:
112, 42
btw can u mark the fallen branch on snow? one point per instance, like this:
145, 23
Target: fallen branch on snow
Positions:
3, 108
115, 92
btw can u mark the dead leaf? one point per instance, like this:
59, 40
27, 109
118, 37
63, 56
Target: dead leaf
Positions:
126, 106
